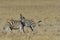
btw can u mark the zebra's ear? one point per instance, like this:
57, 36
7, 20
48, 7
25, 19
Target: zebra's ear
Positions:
20, 15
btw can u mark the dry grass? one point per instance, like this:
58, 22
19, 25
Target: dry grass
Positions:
46, 10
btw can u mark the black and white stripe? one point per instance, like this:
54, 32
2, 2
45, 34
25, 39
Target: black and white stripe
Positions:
28, 23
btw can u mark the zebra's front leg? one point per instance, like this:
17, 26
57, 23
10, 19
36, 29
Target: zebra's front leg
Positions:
21, 29
31, 28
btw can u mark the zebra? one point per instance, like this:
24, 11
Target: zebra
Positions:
19, 24
13, 25
28, 23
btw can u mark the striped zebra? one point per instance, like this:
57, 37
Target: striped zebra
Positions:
13, 25
19, 24
28, 23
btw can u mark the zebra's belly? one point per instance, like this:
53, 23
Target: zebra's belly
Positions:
15, 28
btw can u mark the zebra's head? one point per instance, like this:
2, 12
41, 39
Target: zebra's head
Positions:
22, 18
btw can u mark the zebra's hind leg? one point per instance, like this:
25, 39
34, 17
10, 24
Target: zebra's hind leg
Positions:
6, 30
11, 28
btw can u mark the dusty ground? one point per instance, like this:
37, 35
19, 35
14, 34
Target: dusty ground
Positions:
46, 10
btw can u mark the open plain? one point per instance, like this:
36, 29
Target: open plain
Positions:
48, 11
